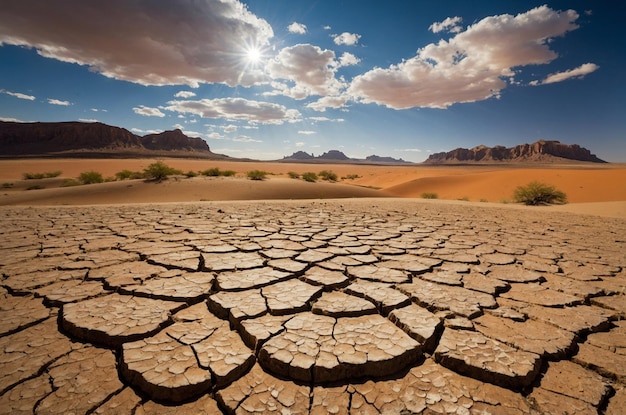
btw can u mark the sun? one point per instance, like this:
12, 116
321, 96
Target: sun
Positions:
253, 55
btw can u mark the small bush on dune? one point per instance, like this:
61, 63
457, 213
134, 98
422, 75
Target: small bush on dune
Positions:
429, 195
227, 173
537, 193
351, 177
90, 177
293, 175
128, 174
159, 171
212, 172
309, 176
45, 175
191, 173
7, 185
70, 183
256, 175
328, 175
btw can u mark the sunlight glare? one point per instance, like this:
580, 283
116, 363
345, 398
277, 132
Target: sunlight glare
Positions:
253, 55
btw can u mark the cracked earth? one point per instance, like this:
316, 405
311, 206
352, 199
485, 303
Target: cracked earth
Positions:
342, 307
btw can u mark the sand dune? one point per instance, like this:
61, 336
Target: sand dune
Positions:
597, 188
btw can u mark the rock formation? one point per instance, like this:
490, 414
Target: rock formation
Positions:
540, 151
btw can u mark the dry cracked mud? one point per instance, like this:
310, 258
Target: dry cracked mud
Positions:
342, 307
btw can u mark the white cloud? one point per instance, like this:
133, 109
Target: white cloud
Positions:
9, 119
148, 111
327, 27
298, 28
348, 59
310, 69
230, 128
409, 150
88, 120
579, 72
469, 67
236, 109
185, 94
144, 132
246, 139
346, 38
155, 42
300, 144
53, 101
328, 102
450, 24
18, 94
307, 132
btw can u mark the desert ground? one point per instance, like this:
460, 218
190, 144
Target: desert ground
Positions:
590, 188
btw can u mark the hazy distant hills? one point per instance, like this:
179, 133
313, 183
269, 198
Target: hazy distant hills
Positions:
93, 139
336, 156
541, 151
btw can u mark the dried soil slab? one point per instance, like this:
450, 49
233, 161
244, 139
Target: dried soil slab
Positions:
383, 295
258, 392
238, 305
76, 390
444, 277
70, 291
20, 312
570, 379
419, 323
187, 260
256, 331
252, 278
323, 349
603, 361
288, 265
487, 285
327, 400
126, 274
498, 259
22, 399
549, 402
431, 388
124, 402
25, 283
188, 286
115, 319
232, 261
614, 340
570, 286
442, 297
530, 335
325, 277
472, 354
613, 302
312, 256
205, 405
514, 273
411, 263
290, 297
617, 404
25, 353
380, 274
540, 295
338, 304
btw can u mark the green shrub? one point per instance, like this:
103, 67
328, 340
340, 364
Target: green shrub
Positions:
537, 193
191, 173
328, 175
128, 174
212, 172
464, 199
227, 173
90, 177
45, 175
256, 175
293, 175
309, 176
159, 171
7, 185
430, 195
35, 187
484, 200
351, 177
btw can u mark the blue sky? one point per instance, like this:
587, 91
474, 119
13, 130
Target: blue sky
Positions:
265, 78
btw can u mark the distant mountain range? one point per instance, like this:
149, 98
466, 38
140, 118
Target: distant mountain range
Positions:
541, 151
86, 139
339, 157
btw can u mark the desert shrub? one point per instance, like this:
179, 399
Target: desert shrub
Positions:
464, 199
212, 172
256, 175
328, 175
537, 193
309, 176
227, 173
128, 174
90, 177
430, 195
484, 200
293, 175
351, 177
7, 185
191, 173
35, 187
159, 171
70, 183
45, 175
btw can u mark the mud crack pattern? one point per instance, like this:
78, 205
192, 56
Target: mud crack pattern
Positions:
343, 307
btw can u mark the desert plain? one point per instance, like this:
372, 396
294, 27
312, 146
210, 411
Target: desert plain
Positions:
226, 295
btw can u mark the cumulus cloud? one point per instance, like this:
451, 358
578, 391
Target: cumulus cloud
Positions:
236, 109
9, 119
148, 111
349, 39
297, 28
310, 70
154, 42
469, 67
579, 72
307, 132
450, 24
230, 128
19, 95
53, 101
328, 102
140, 131
348, 59
246, 139
185, 94
90, 120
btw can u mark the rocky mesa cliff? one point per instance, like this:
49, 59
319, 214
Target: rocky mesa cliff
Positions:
542, 151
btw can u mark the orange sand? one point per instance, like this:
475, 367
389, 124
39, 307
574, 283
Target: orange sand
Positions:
583, 183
